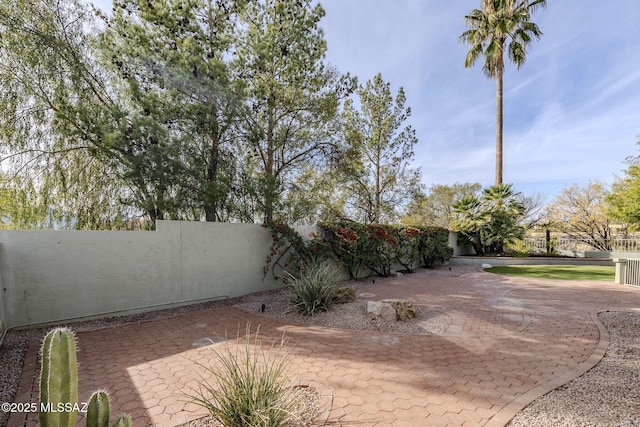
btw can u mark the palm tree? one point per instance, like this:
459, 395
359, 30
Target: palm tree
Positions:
490, 28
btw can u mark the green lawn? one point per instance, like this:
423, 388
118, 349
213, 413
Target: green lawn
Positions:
561, 272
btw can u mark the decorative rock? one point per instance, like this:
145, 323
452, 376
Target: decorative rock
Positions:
404, 308
381, 310
485, 265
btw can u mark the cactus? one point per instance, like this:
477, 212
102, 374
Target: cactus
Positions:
98, 409
59, 377
59, 384
123, 421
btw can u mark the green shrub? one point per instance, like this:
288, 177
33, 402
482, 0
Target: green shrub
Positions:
357, 248
290, 252
315, 289
434, 246
349, 244
344, 294
249, 385
519, 248
408, 253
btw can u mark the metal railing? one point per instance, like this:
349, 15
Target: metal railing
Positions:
632, 272
539, 244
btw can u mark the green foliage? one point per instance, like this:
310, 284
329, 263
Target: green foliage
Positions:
176, 139
53, 97
434, 246
167, 109
436, 208
378, 247
357, 247
293, 95
249, 386
290, 252
347, 241
375, 170
496, 23
581, 213
519, 248
314, 290
59, 385
491, 220
345, 294
624, 198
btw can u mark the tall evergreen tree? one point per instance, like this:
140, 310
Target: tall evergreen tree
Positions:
377, 175
180, 136
497, 26
293, 95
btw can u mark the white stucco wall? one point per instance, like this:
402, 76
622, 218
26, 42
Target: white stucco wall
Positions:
56, 275
48, 276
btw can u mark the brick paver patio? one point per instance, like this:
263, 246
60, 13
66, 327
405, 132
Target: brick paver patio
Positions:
510, 341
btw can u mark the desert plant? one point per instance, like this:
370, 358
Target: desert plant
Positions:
344, 294
59, 386
490, 221
98, 409
249, 387
314, 290
58, 377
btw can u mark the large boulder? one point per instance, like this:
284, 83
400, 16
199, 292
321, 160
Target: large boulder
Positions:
404, 308
381, 310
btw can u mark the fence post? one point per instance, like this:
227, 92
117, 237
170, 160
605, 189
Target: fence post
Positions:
621, 270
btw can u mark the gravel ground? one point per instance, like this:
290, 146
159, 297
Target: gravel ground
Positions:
352, 315
607, 395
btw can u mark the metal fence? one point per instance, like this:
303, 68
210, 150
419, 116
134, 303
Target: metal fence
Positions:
539, 244
632, 273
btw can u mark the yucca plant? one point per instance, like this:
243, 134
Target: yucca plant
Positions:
315, 289
249, 386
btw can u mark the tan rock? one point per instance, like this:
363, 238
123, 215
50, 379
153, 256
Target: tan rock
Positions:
404, 308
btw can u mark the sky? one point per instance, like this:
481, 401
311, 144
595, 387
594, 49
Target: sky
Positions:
571, 112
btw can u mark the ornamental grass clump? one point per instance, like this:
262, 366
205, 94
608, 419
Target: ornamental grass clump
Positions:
249, 386
315, 289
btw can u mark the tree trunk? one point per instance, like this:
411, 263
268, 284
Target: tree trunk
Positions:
376, 218
269, 178
499, 121
212, 192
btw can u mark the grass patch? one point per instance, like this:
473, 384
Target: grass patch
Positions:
560, 272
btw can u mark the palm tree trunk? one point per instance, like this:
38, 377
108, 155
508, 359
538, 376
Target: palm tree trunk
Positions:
499, 121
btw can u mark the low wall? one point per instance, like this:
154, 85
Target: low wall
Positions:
495, 261
52, 275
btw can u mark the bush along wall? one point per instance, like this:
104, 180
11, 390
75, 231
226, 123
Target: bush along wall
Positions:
358, 248
290, 252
